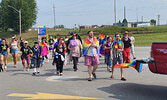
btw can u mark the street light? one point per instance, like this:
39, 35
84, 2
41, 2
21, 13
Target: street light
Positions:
19, 11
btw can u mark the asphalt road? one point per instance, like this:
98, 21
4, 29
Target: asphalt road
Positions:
18, 85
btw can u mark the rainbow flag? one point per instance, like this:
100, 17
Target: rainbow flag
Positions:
87, 43
43, 44
139, 65
101, 43
102, 36
125, 65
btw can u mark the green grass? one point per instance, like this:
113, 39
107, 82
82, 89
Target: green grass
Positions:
147, 39
144, 35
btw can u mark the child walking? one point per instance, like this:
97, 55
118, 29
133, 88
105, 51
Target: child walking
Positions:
37, 55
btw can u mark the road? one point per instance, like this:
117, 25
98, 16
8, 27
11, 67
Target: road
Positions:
18, 85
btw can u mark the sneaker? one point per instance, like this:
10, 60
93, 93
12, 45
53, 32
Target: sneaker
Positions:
134, 58
57, 72
28, 69
112, 77
123, 79
34, 73
61, 74
5, 67
94, 75
90, 79
38, 72
75, 70
110, 70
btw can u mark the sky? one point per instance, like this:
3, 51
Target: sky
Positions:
98, 12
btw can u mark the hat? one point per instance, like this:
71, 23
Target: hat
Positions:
35, 42
14, 37
26, 42
126, 32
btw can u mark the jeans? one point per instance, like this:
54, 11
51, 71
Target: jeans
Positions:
75, 61
36, 62
108, 60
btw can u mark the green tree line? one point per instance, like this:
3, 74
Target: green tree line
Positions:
9, 18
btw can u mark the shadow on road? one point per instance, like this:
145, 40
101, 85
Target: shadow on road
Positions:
132, 91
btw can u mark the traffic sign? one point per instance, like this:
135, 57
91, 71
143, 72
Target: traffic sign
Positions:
41, 31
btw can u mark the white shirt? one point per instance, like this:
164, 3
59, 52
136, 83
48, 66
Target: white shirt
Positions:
132, 38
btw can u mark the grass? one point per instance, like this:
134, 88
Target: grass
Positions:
147, 39
144, 35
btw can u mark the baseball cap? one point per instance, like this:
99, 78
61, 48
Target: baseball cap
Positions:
26, 42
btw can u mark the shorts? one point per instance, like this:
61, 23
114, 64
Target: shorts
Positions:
5, 53
13, 51
92, 60
108, 60
118, 59
26, 58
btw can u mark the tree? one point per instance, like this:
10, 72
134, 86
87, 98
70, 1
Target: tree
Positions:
153, 21
10, 17
124, 21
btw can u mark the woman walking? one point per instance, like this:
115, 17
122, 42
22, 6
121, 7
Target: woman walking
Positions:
126, 50
75, 47
4, 53
44, 46
25, 57
132, 46
59, 55
14, 46
108, 53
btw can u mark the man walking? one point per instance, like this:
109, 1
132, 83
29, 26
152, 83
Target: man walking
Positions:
90, 46
117, 49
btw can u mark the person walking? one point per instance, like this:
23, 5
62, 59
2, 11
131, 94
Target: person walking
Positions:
36, 55
4, 53
75, 46
91, 53
44, 46
51, 42
132, 48
108, 53
126, 50
14, 49
59, 55
117, 49
25, 57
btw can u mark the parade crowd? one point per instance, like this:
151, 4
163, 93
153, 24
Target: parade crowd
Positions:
116, 50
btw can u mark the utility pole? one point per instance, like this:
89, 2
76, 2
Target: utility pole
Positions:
158, 20
20, 21
137, 14
115, 12
124, 12
141, 18
54, 16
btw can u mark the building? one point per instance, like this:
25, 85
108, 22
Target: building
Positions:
88, 26
125, 23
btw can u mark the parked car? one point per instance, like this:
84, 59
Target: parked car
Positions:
158, 64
